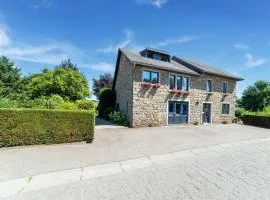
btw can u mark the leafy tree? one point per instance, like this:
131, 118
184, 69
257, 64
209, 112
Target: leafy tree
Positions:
10, 77
67, 64
104, 81
256, 97
66, 82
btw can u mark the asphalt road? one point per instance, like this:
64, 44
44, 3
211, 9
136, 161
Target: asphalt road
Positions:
239, 170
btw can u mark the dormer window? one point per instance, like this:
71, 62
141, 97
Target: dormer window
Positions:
156, 54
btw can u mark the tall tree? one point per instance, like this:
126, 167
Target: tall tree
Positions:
104, 81
256, 97
10, 77
67, 64
63, 81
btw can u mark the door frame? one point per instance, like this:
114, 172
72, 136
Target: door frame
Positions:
211, 113
167, 111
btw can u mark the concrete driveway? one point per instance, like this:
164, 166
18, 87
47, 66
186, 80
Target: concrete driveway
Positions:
119, 144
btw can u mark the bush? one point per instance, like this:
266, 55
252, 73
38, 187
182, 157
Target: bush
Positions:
257, 120
118, 118
85, 105
8, 103
108, 111
239, 112
33, 126
106, 99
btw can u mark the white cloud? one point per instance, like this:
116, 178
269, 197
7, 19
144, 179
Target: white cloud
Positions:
113, 48
52, 53
241, 46
180, 40
156, 3
43, 4
252, 62
4, 38
101, 67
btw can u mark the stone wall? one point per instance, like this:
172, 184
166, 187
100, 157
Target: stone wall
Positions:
123, 87
150, 104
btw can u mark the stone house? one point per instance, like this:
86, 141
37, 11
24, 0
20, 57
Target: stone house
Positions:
154, 88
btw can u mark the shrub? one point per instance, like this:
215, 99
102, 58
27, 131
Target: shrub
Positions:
33, 126
108, 111
257, 120
106, 99
67, 105
85, 104
8, 103
239, 112
118, 118
52, 102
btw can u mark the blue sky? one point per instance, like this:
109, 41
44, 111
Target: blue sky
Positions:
233, 35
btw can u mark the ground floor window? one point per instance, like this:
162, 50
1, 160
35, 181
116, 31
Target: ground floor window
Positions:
177, 112
225, 109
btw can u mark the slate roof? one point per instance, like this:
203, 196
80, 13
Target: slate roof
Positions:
171, 66
205, 68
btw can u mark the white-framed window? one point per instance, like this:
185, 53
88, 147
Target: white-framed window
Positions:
150, 76
224, 87
225, 108
209, 86
178, 82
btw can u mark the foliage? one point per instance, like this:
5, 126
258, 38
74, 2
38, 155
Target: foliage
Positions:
254, 119
47, 102
106, 99
118, 118
239, 112
85, 104
67, 64
10, 77
8, 103
28, 126
108, 111
256, 97
65, 82
104, 81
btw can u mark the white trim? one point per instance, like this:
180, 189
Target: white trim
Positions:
211, 112
178, 74
225, 115
227, 87
150, 70
167, 109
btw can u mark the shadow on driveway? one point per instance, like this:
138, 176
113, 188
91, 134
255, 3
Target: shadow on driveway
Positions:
104, 124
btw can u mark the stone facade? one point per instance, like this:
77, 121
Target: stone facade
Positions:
124, 87
148, 106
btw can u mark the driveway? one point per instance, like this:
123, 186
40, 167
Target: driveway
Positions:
119, 144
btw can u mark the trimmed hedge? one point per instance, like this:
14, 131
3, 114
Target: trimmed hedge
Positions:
257, 120
33, 126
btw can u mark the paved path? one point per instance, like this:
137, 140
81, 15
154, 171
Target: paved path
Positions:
238, 170
112, 145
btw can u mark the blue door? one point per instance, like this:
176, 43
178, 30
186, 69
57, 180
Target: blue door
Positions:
177, 112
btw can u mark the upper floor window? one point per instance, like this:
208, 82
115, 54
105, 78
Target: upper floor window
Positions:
209, 86
151, 77
178, 82
224, 87
225, 108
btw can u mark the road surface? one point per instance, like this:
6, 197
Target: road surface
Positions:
239, 170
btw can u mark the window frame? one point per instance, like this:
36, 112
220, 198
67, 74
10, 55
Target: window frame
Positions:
221, 110
227, 89
175, 81
212, 86
151, 71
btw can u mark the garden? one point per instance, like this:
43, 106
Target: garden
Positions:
254, 105
48, 107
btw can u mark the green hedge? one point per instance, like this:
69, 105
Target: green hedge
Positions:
32, 126
257, 120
